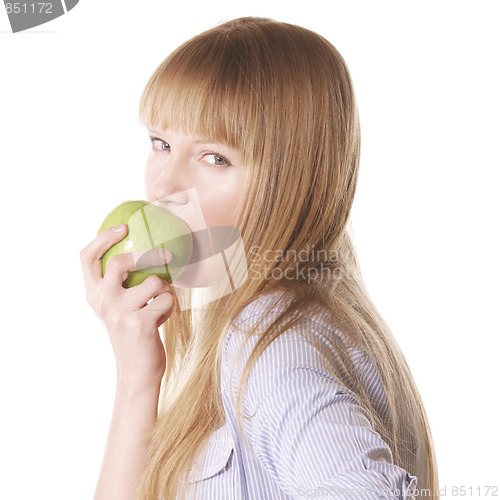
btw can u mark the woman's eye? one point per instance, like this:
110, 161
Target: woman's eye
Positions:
159, 144
216, 160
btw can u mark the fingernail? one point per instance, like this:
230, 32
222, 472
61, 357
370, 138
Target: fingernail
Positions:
118, 228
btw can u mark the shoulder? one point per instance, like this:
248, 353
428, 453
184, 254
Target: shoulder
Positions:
265, 310
252, 322
307, 351
269, 303
281, 358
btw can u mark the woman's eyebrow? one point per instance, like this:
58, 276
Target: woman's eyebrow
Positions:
206, 141
154, 132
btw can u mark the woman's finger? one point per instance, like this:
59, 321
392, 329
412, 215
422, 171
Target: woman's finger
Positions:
137, 297
159, 309
120, 265
90, 256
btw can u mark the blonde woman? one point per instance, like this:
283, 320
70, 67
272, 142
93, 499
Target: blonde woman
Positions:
292, 385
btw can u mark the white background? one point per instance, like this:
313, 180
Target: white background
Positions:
425, 217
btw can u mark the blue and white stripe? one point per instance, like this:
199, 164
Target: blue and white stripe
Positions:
309, 437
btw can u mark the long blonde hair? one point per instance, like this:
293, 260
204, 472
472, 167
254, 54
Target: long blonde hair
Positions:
283, 96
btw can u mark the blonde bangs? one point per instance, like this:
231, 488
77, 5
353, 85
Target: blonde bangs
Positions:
206, 94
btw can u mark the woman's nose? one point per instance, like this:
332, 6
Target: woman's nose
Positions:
171, 183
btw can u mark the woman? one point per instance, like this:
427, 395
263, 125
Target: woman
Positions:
292, 384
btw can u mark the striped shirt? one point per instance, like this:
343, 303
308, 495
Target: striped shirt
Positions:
309, 436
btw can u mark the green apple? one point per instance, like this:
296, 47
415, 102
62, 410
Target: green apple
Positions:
149, 227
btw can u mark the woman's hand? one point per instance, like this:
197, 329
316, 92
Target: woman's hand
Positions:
131, 322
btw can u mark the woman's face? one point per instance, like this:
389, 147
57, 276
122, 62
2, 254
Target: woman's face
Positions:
194, 178
201, 182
